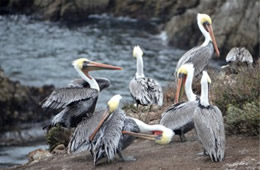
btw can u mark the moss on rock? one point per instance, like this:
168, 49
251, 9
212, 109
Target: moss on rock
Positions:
57, 135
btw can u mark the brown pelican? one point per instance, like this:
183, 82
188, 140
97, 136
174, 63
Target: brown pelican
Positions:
145, 91
108, 134
179, 117
209, 124
239, 55
79, 99
161, 134
200, 55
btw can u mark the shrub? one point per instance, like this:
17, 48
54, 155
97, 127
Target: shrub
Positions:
245, 120
237, 96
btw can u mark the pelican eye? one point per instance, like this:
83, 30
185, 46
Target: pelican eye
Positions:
206, 23
182, 75
85, 63
158, 137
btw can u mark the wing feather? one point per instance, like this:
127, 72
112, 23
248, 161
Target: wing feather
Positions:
80, 139
179, 115
199, 56
62, 97
210, 131
108, 137
146, 91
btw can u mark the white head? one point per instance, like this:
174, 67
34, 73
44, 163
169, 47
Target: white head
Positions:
165, 137
205, 25
185, 69
205, 77
83, 66
137, 52
185, 76
114, 102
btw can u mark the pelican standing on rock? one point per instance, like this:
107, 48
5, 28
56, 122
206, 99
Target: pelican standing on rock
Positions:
179, 117
80, 98
108, 134
209, 124
199, 56
145, 91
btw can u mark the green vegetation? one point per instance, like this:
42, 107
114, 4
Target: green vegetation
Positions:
243, 120
237, 96
57, 135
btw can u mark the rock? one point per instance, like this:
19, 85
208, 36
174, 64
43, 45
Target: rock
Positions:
234, 23
38, 155
52, 12
182, 30
20, 104
59, 149
69, 10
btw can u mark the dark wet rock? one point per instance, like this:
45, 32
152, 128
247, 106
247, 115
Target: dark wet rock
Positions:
69, 10
20, 6
20, 104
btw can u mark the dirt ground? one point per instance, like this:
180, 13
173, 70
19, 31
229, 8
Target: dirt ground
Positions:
242, 152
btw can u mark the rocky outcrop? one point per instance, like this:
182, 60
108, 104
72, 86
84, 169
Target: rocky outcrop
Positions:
69, 10
235, 23
20, 104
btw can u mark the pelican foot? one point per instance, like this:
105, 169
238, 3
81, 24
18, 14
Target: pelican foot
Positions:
204, 153
200, 154
183, 138
126, 159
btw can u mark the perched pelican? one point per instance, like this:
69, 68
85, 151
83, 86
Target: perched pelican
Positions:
179, 117
209, 124
145, 91
199, 56
239, 55
108, 134
79, 99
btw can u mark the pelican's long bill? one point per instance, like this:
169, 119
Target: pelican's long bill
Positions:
142, 135
91, 65
180, 86
211, 33
105, 116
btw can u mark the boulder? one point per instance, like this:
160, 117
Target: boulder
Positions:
69, 10
37, 155
235, 23
20, 104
